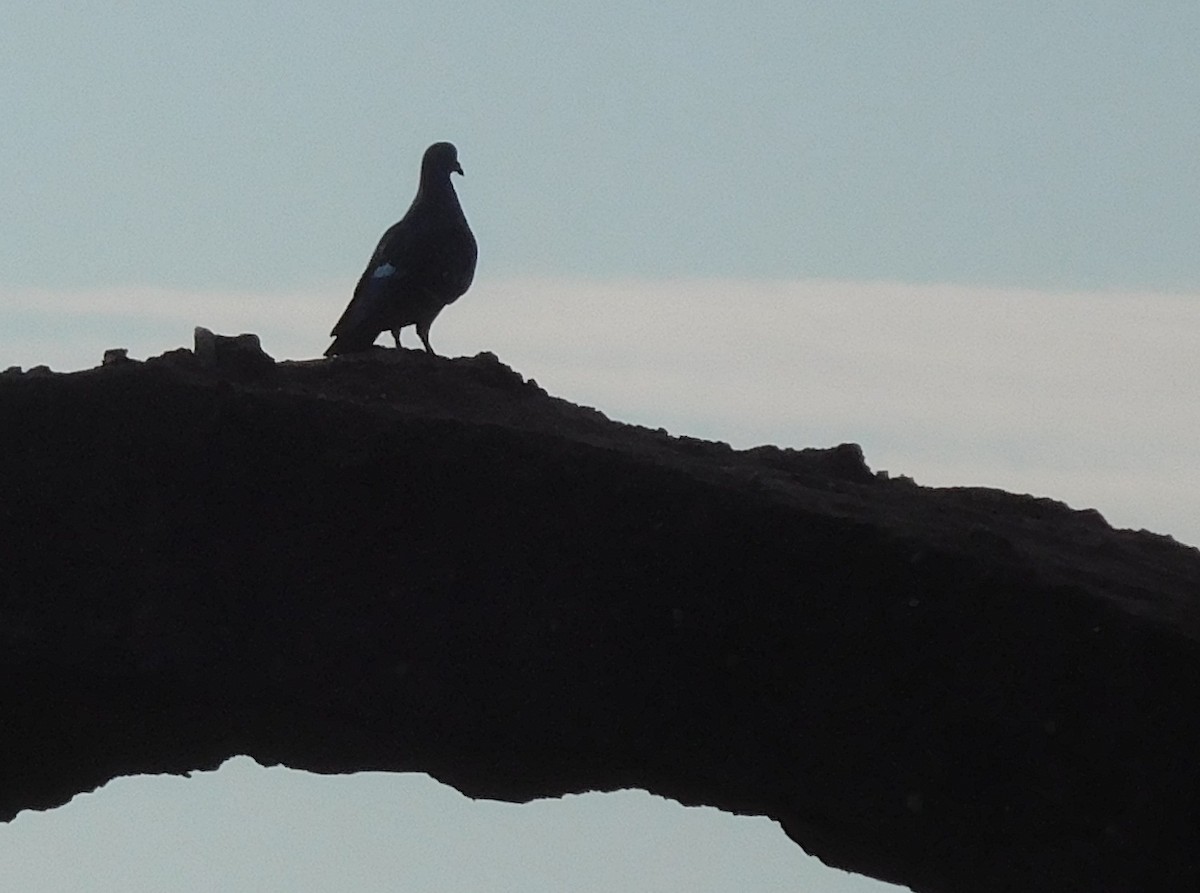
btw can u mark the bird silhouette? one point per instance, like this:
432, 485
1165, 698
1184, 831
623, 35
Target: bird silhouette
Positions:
421, 264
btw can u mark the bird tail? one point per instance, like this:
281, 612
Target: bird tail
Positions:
349, 342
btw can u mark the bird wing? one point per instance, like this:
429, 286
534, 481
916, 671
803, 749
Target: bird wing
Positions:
388, 269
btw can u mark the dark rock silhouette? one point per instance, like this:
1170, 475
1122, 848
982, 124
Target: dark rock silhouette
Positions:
392, 562
423, 263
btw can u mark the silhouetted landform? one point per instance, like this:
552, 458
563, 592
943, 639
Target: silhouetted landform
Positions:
397, 561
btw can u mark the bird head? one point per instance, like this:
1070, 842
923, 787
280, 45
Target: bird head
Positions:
441, 159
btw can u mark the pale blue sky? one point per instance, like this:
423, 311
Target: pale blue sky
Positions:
266, 145
963, 234
243, 828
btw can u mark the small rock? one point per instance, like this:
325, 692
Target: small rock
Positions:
205, 345
242, 354
849, 463
180, 356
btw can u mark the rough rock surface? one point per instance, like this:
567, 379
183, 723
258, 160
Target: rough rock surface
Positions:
396, 561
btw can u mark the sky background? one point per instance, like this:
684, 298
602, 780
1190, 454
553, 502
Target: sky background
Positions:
962, 234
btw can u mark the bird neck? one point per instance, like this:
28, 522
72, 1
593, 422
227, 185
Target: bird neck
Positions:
438, 189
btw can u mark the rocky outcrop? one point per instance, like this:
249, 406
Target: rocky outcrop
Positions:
403, 562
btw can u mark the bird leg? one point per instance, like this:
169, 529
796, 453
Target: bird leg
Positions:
423, 332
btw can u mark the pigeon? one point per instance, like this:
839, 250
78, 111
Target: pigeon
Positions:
422, 263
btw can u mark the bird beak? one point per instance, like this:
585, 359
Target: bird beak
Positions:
458, 169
